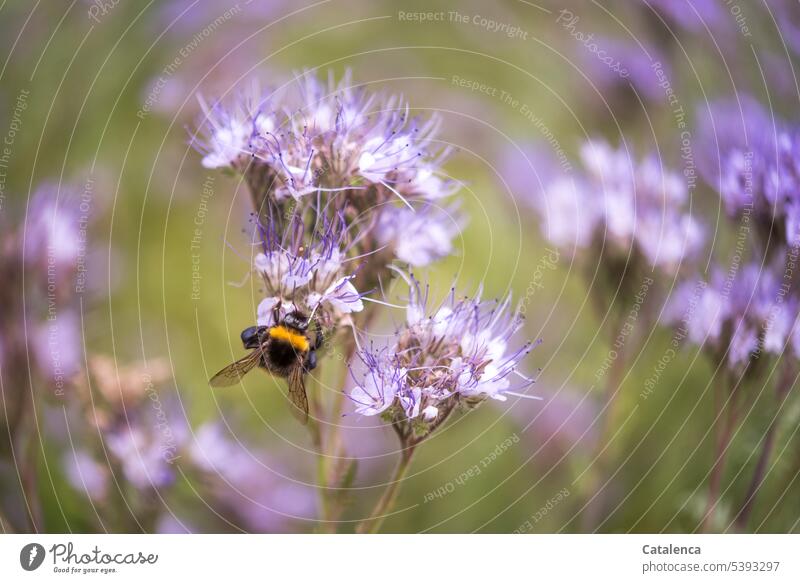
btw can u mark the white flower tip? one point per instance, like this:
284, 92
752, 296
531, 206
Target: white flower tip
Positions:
366, 161
430, 413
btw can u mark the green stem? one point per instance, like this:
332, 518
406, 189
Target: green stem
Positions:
724, 434
389, 497
334, 448
784, 385
591, 514
335, 440
315, 429
30, 480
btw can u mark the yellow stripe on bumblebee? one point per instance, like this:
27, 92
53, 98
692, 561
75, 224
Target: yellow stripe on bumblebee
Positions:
298, 341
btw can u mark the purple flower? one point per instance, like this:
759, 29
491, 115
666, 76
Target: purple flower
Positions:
342, 296
636, 67
699, 308
379, 387
58, 346
147, 448
168, 523
786, 15
569, 217
421, 235
459, 353
529, 167
186, 18
738, 313
52, 233
374, 171
779, 72
327, 136
565, 420
691, 15
256, 490
143, 432
309, 271
226, 132
41, 250
86, 475
632, 204
752, 160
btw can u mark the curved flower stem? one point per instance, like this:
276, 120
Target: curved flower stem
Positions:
330, 452
389, 497
723, 434
591, 513
30, 479
334, 440
334, 448
782, 392
315, 429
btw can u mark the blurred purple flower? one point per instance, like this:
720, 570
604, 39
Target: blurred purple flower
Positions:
786, 14
39, 322
254, 489
422, 235
563, 421
636, 60
739, 312
780, 73
527, 169
86, 475
147, 446
52, 238
189, 17
631, 204
752, 159
58, 346
690, 15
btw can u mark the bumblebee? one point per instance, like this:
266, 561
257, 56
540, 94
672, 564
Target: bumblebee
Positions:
285, 350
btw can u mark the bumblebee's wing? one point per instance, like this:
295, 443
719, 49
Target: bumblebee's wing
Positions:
297, 394
233, 373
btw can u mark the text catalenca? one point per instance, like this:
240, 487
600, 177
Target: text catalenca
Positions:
669, 550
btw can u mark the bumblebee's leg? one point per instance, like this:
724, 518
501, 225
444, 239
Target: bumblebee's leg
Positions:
276, 313
311, 360
319, 336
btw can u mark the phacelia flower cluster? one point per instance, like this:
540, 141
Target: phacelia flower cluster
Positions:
348, 190
308, 271
332, 134
147, 441
250, 487
738, 314
143, 432
639, 206
753, 161
364, 152
460, 353
40, 319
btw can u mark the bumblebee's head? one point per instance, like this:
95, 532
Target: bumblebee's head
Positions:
252, 336
296, 320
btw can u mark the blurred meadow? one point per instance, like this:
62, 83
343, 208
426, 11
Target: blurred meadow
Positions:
622, 443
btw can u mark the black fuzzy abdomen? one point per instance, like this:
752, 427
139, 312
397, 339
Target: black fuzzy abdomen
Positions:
281, 355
